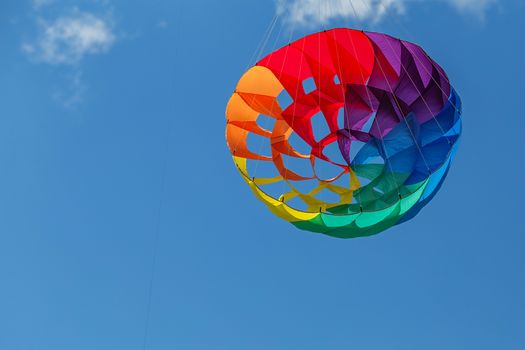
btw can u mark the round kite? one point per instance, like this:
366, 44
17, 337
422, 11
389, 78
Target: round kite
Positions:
344, 132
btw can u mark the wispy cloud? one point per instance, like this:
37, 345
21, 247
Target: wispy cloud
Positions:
305, 12
39, 3
315, 12
65, 41
68, 39
475, 7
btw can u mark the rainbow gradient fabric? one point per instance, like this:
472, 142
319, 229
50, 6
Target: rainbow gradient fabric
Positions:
391, 128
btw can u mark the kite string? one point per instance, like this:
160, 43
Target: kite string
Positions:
261, 50
257, 53
261, 143
262, 43
281, 70
320, 83
274, 101
156, 239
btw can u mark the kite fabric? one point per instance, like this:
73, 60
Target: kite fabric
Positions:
391, 128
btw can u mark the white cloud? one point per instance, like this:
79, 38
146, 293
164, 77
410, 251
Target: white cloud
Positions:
68, 39
315, 12
39, 3
305, 12
476, 7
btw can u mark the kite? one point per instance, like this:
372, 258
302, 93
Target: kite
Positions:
344, 132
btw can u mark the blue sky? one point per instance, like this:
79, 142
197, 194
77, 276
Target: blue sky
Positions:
112, 129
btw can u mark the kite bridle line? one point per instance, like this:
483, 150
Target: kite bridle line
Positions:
343, 91
412, 81
438, 69
259, 148
255, 56
264, 41
253, 97
293, 119
438, 85
370, 101
402, 117
274, 100
389, 164
440, 72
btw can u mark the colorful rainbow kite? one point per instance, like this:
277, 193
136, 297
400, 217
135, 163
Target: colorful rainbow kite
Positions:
392, 124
